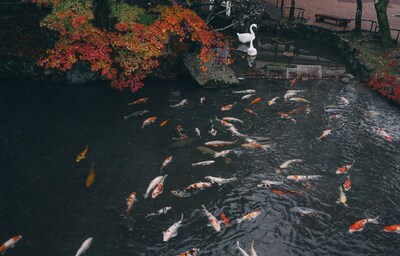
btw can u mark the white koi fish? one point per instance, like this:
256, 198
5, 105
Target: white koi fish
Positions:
181, 103
219, 180
269, 183
211, 218
84, 246
203, 163
344, 100
223, 153
252, 250
219, 143
249, 216
305, 211
325, 133
272, 102
166, 162
197, 131
202, 99
159, 212
245, 91
152, 185
247, 96
172, 231
289, 162
342, 198
159, 188
234, 131
303, 177
299, 100
232, 119
9, 244
243, 252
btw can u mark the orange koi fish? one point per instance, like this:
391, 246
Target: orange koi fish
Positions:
164, 123
392, 228
82, 155
347, 184
9, 244
91, 178
191, 252
142, 100
255, 101
228, 107
130, 201
249, 216
345, 169
166, 162
325, 133
293, 82
359, 225
149, 121
251, 112
226, 220
199, 185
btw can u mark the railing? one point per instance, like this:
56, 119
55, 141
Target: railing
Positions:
300, 13
373, 28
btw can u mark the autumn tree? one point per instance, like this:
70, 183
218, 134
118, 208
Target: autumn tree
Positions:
384, 27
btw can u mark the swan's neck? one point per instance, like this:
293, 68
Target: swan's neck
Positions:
251, 44
251, 30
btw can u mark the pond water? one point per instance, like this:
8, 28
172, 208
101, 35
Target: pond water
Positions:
43, 195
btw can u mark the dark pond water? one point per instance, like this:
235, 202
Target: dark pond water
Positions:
43, 195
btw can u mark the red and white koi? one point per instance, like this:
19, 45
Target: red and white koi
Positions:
159, 212
166, 162
220, 181
180, 104
345, 169
211, 218
202, 99
247, 96
142, 100
359, 225
303, 177
226, 124
191, 252
199, 185
249, 216
219, 143
273, 101
203, 163
159, 188
286, 164
9, 244
251, 112
286, 116
325, 133
392, 229
130, 201
347, 184
172, 231
152, 185
232, 119
148, 121
228, 107
222, 153
381, 132
84, 246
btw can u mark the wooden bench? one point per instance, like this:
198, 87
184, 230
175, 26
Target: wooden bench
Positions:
339, 22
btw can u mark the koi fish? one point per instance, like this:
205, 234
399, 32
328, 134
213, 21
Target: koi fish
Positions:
172, 231
159, 188
213, 132
197, 131
288, 95
359, 225
136, 113
222, 153
345, 169
164, 123
335, 116
299, 100
243, 252
91, 178
255, 101
235, 132
232, 119
211, 218
199, 185
305, 211
299, 110
166, 162
255, 144
130, 201
159, 212
219, 143
81, 155
252, 250
342, 197
226, 220
191, 252
203, 163
282, 192
303, 177
179, 128
202, 99
269, 183
381, 132
142, 100
251, 112
226, 124
325, 133
219, 180
344, 100
289, 162
84, 246
180, 193
228, 107
149, 121
245, 91
249, 216
183, 137
9, 244
247, 96
392, 229
180, 104
293, 82
272, 102
286, 116
347, 184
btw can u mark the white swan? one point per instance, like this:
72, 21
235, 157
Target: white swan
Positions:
252, 51
246, 37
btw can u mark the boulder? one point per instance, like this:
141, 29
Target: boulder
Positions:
344, 80
217, 75
81, 74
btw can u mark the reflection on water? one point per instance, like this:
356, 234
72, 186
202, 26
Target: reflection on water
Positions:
44, 197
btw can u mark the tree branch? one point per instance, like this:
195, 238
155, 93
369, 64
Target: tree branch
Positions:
220, 29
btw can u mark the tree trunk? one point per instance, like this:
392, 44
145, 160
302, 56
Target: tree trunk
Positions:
357, 28
383, 22
291, 13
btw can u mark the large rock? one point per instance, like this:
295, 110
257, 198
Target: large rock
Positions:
81, 74
218, 74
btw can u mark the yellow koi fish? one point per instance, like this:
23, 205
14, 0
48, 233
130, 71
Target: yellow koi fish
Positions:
91, 178
81, 155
